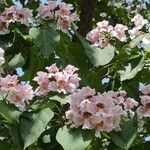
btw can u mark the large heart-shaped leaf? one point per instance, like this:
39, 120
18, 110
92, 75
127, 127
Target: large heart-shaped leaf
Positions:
73, 139
100, 56
32, 125
45, 39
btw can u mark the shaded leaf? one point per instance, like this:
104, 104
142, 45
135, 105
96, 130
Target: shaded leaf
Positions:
117, 140
8, 112
35, 63
4, 145
17, 140
129, 132
32, 125
45, 39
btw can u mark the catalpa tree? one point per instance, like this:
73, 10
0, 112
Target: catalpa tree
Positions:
74, 75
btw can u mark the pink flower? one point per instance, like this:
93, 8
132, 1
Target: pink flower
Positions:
62, 13
98, 112
93, 36
15, 93
43, 82
74, 17
146, 90
23, 15
52, 69
134, 33
119, 32
65, 17
3, 25
10, 13
65, 81
20, 95
8, 83
65, 9
70, 69
144, 110
97, 39
139, 21
45, 12
130, 103
52, 5
64, 23
97, 36
2, 60
104, 26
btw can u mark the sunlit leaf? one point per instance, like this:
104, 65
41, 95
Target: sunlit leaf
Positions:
73, 139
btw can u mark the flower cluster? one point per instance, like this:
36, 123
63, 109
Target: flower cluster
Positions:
101, 112
144, 109
65, 81
99, 36
139, 22
14, 14
15, 93
60, 12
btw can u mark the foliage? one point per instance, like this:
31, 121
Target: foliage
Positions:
38, 118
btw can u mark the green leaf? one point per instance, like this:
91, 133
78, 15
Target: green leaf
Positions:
17, 61
16, 137
73, 139
137, 40
8, 112
117, 140
4, 145
97, 56
33, 125
101, 56
34, 63
61, 99
129, 132
46, 39
130, 73
147, 47
126, 136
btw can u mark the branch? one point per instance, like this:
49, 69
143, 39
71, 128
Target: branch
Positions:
86, 16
